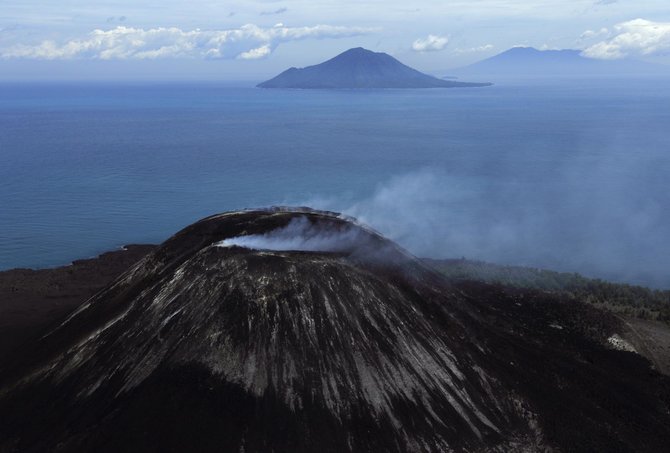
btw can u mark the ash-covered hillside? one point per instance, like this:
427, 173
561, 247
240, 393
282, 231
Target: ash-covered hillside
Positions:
300, 330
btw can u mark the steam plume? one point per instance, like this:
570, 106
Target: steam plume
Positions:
302, 235
599, 220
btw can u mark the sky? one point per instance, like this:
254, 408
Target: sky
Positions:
253, 40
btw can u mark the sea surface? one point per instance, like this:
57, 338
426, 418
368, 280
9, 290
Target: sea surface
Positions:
571, 175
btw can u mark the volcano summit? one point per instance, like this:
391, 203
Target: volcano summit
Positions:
300, 330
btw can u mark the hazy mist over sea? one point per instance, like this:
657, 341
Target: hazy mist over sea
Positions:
568, 175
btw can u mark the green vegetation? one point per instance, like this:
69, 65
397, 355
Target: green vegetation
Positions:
629, 300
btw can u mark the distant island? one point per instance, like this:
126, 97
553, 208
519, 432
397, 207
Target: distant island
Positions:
360, 68
528, 61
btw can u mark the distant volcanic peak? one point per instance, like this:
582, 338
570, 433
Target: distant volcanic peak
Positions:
359, 68
529, 61
531, 55
531, 52
361, 55
357, 51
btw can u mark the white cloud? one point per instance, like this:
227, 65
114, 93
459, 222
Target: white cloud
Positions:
588, 34
484, 48
430, 44
637, 37
247, 42
256, 54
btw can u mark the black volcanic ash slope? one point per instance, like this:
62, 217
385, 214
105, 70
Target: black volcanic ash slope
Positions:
208, 346
360, 68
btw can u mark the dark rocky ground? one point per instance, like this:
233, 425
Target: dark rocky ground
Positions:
644, 312
226, 349
33, 300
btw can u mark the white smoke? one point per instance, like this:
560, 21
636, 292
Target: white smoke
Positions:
593, 219
302, 235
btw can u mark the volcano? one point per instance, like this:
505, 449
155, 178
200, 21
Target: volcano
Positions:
300, 330
531, 62
360, 68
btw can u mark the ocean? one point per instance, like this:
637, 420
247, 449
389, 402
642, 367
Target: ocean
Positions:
570, 175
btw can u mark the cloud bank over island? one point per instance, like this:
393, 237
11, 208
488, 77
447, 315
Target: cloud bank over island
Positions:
637, 38
138, 39
247, 42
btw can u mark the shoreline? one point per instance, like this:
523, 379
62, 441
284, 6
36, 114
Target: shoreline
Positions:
32, 300
120, 248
